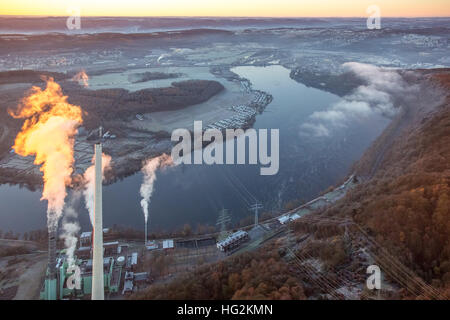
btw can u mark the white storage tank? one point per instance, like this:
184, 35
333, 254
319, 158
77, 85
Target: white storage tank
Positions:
120, 261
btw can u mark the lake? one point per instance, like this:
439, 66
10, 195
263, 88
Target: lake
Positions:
195, 194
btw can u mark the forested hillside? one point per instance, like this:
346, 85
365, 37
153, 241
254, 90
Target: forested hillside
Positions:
406, 204
257, 275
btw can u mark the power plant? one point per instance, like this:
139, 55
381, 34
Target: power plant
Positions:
77, 281
91, 273
98, 268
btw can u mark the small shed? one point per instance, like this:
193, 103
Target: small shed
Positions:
283, 219
152, 245
168, 244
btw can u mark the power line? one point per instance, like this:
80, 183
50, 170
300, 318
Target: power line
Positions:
239, 182
222, 221
391, 266
236, 189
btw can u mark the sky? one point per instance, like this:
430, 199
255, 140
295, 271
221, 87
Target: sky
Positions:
241, 8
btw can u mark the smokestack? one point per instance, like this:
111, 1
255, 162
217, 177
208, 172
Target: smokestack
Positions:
50, 280
149, 170
52, 254
145, 242
98, 290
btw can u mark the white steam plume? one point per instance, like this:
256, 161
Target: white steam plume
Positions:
70, 227
149, 170
89, 183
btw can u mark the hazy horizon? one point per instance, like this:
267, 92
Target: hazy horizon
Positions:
224, 17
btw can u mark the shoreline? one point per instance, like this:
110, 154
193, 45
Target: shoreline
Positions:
135, 166
33, 181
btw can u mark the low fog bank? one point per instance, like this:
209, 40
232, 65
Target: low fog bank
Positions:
384, 91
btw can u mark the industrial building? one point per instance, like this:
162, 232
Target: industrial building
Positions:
128, 283
152, 245
168, 244
288, 218
111, 278
86, 237
96, 267
116, 264
233, 241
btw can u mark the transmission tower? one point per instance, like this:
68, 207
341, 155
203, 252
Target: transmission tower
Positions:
255, 208
223, 221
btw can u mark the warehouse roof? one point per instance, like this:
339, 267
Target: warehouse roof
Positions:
168, 244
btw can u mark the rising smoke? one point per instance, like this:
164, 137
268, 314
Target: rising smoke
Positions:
70, 227
149, 170
89, 184
377, 96
48, 133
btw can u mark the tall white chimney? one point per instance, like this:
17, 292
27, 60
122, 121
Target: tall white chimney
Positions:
98, 289
145, 233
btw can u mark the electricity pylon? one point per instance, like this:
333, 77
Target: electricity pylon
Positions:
255, 208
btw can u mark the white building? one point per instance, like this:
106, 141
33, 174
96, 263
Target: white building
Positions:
168, 244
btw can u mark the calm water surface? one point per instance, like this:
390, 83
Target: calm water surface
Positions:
194, 194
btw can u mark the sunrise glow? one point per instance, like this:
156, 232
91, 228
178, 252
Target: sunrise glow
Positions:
248, 8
